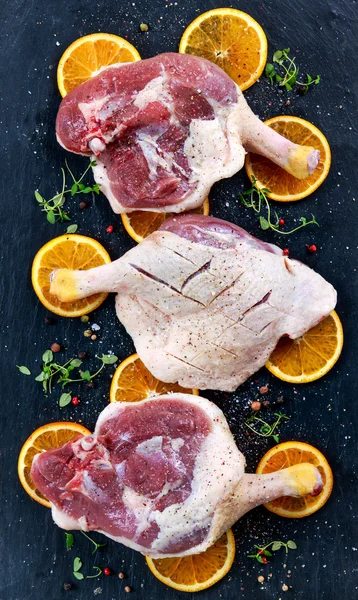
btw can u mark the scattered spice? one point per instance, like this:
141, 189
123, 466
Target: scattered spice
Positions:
255, 406
311, 248
285, 588
264, 390
83, 205
266, 403
286, 251
264, 429
261, 579
263, 552
82, 355
127, 588
107, 571
67, 586
49, 321
281, 222
85, 318
121, 575
255, 198
93, 337
55, 347
143, 27
110, 229
87, 333
75, 400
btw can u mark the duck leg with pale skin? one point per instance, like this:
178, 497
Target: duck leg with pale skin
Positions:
204, 301
165, 129
162, 476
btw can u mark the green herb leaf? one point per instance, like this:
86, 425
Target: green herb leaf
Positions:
47, 356
276, 546
292, 545
65, 399
24, 370
86, 375
51, 217
69, 540
269, 70
259, 558
74, 189
276, 438
76, 362
267, 553
72, 228
278, 77
108, 359
77, 564
277, 56
264, 224
39, 198
78, 575
42, 376
87, 190
99, 572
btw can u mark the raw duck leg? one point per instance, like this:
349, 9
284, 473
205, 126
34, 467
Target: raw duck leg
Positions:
162, 476
204, 301
165, 129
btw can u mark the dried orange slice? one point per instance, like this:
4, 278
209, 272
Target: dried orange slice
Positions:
293, 453
283, 186
70, 251
85, 57
199, 571
310, 356
231, 39
133, 382
47, 437
141, 223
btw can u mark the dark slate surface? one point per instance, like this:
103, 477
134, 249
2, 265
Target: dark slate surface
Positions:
34, 562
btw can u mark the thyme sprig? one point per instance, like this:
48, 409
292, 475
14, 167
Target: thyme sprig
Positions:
53, 373
77, 565
263, 428
96, 546
256, 199
263, 552
54, 207
287, 77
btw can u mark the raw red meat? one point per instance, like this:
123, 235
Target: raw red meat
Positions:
162, 476
163, 130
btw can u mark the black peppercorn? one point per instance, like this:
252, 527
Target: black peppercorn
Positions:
67, 586
82, 355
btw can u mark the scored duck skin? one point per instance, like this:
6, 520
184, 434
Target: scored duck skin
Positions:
162, 476
165, 129
204, 301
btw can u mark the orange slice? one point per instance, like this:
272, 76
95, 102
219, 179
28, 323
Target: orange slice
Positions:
293, 453
311, 356
133, 382
141, 223
47, 437
70, 251
199, 571
87, 55
283, 186
231, 39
